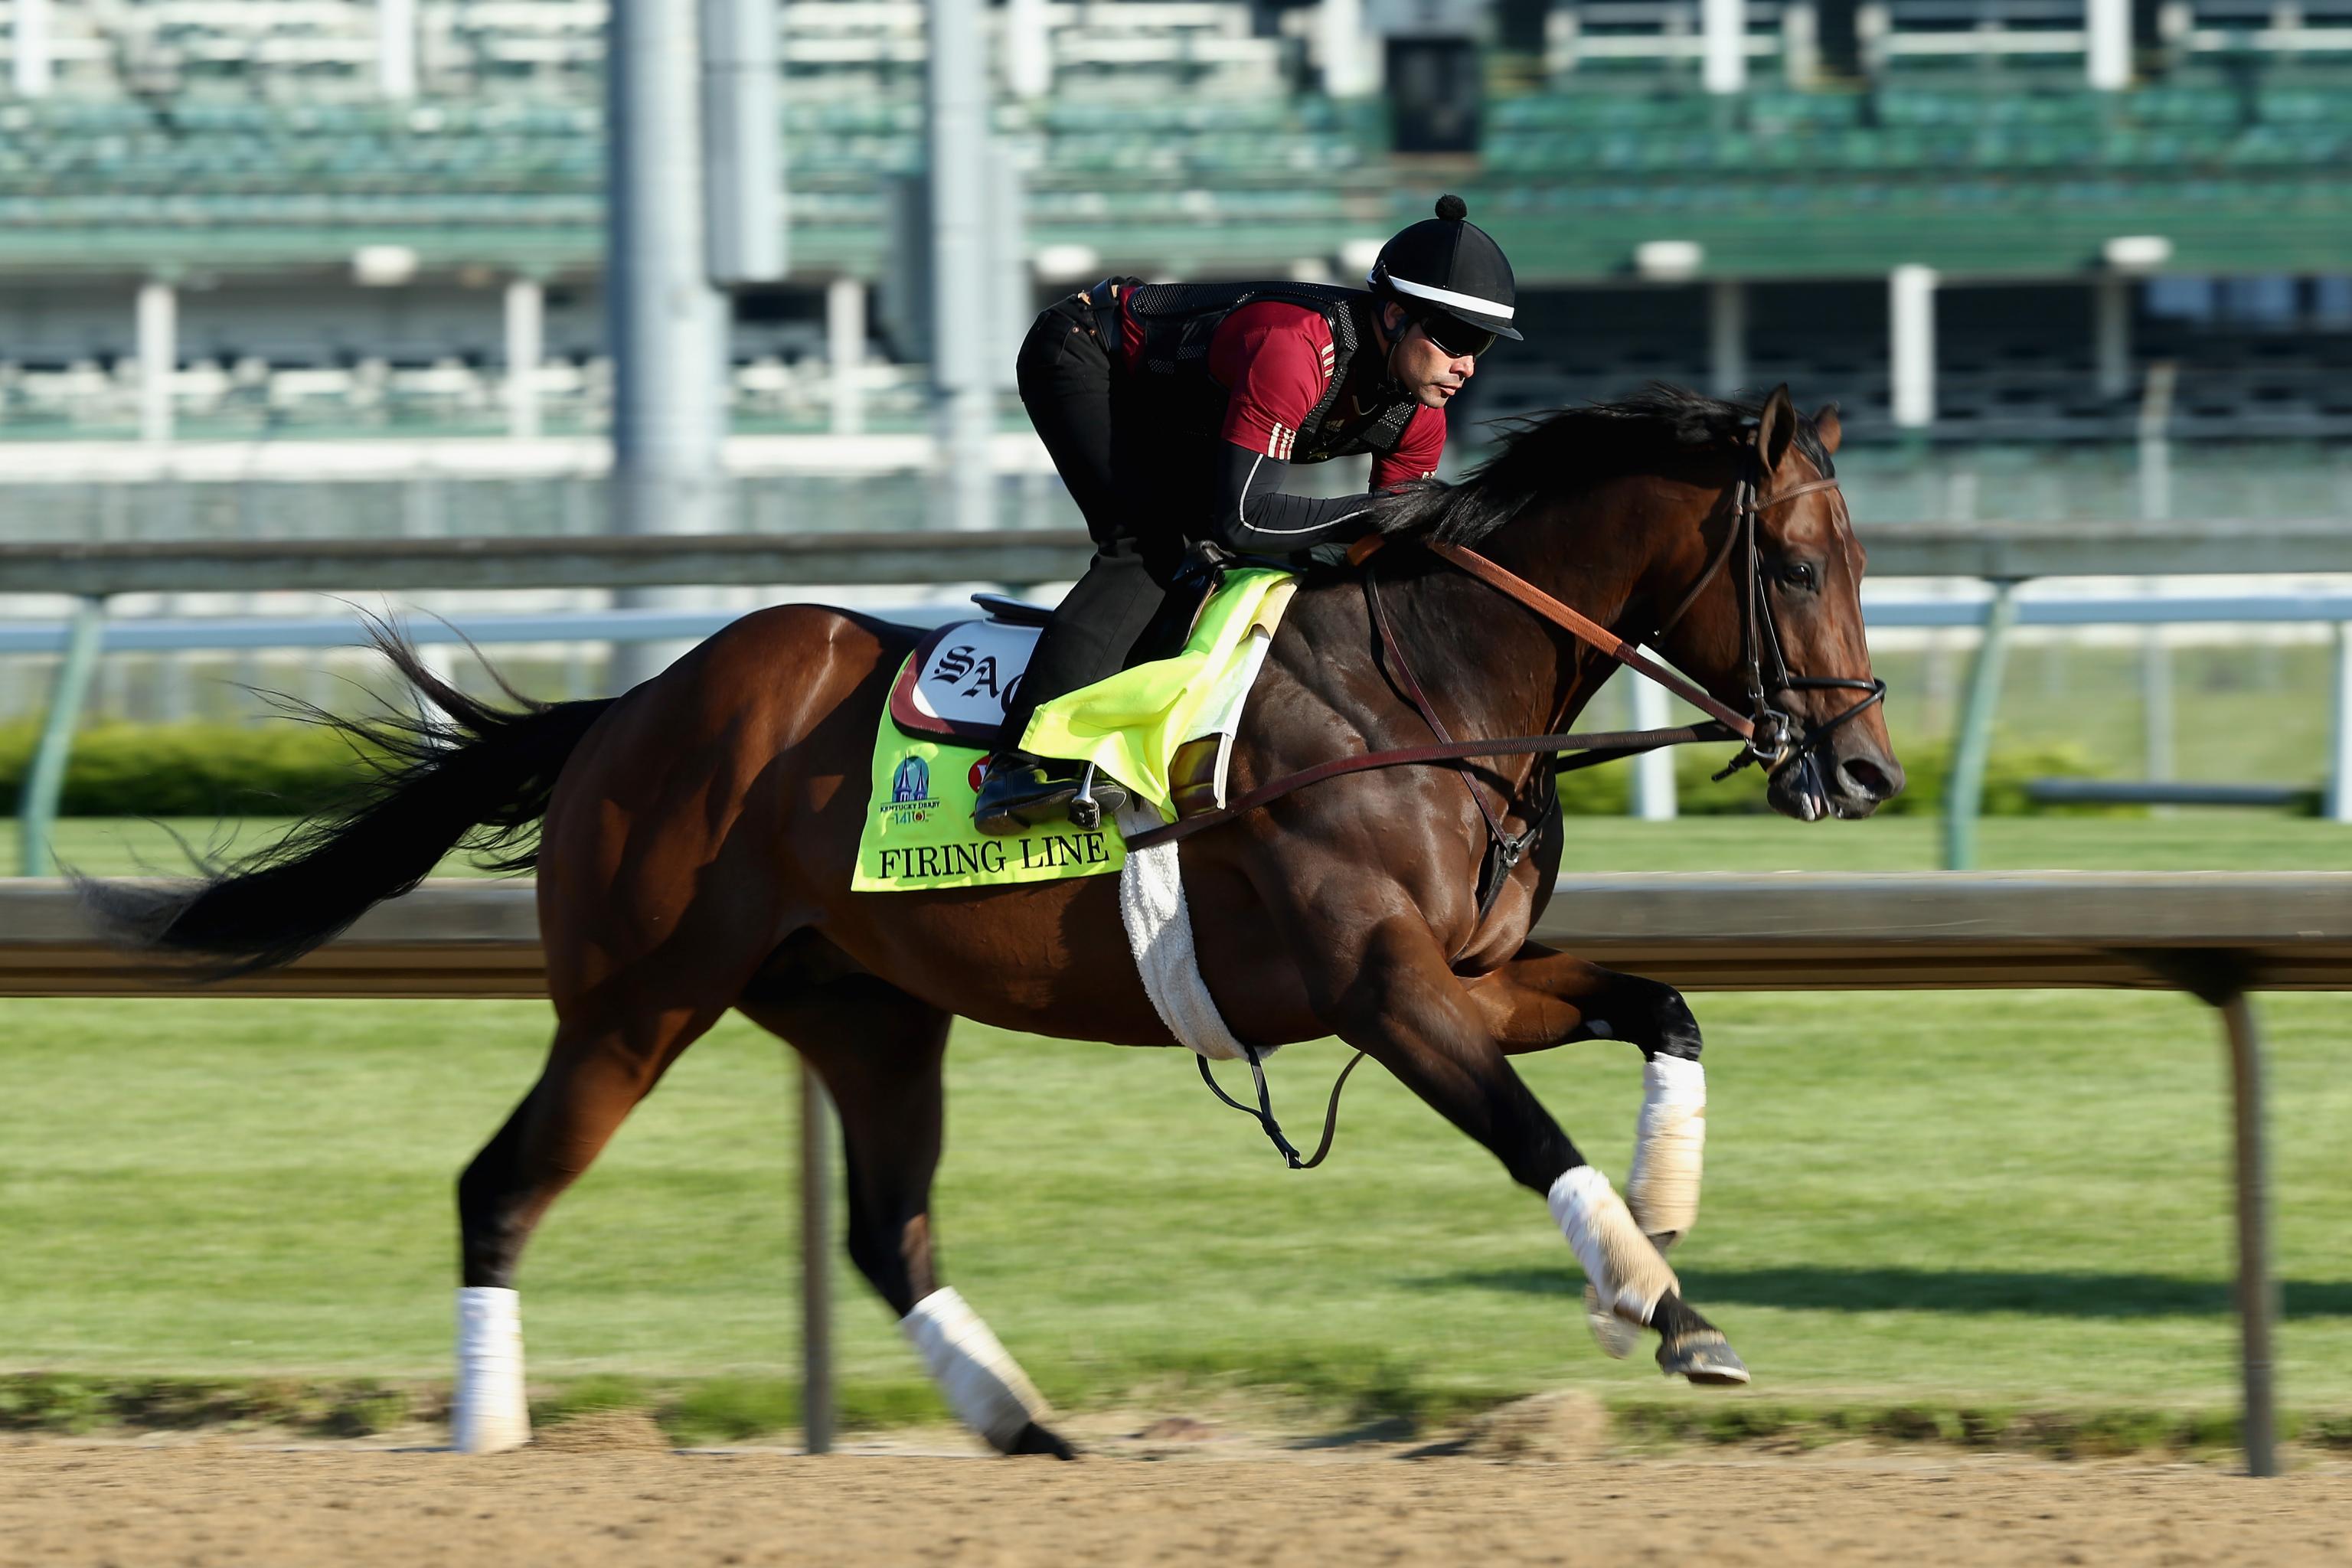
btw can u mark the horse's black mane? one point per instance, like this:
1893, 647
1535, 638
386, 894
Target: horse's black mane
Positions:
1594, 440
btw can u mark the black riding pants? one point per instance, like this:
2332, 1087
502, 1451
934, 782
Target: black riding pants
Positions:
1123, 609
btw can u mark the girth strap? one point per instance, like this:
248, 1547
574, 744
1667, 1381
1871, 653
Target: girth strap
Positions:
1264, 1112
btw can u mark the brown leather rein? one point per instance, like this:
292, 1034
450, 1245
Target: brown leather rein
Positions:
1758, 635
1765, 731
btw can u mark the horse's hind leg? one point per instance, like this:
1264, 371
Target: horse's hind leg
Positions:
596, 1072
880, 1052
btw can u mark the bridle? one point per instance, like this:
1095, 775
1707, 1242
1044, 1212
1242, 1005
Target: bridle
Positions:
1770, 737
1773, 740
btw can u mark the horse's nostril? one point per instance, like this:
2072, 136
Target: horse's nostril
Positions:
1866, 778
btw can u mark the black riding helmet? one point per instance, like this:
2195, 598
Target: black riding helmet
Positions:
1451, 276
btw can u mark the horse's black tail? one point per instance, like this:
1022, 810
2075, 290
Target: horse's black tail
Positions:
468, 774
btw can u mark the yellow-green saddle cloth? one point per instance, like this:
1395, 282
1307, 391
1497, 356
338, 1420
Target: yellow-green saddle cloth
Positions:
1163, 728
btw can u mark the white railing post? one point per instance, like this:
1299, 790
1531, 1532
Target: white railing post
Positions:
395, 49
1726, 335
2339, 740
1911, 344
159, 357
844, 348
31, 70
1801, 44
1654, 771
1724, 24
526, 343
2111, 331
1028, 49
2107, 48
1347, 52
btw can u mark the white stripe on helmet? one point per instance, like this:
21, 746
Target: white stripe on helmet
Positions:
1445, 297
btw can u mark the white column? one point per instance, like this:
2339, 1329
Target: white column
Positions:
2339, 749
396, 47
961, 179
2111, 334
32, 61
2155, 704
2107, 52
1801, 44
1726, 335
742, 150
1911, 345
1028, 49
844, 348
1654, 771
159, 356
666, 325
525, 318
1347, 52
1725, 26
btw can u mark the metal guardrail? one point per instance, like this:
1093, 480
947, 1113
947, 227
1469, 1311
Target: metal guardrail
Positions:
1998, 550
643, 561
2217, 935
2004, 553
160, 634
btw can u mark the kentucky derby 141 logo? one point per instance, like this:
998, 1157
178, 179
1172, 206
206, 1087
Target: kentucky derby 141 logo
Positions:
910, 793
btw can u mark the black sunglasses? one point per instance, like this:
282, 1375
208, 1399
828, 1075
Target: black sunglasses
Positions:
1457, 337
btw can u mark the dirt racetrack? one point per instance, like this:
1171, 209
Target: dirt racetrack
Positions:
1194, 1496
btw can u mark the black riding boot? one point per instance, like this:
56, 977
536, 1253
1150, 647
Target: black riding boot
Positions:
1020, 790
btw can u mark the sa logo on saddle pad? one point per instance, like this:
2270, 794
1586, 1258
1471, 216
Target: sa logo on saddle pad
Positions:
961, 681
1163, 728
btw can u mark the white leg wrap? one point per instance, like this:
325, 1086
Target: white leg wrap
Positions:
1627, 1272
986, 1387
1669, 1148
488, 1415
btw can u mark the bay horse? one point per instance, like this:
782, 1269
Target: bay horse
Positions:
695, 837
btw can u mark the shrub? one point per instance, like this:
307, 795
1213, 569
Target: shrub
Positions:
275, 769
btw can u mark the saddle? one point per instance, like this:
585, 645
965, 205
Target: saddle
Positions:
1164, 727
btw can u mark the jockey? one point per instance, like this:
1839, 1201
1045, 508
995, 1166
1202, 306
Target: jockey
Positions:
1174, 410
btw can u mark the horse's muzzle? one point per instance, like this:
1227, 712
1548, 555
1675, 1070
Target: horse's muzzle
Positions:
1825, 778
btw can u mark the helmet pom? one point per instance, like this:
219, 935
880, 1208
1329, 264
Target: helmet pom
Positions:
1453, 208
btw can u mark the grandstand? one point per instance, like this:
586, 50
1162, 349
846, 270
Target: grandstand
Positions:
1965, 219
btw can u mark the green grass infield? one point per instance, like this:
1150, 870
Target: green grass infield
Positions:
1927, 1213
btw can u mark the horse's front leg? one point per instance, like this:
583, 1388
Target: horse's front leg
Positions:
1394, 999
1544, 998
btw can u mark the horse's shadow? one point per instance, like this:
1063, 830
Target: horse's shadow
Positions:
2055, 1292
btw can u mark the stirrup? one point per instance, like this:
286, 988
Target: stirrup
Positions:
1084, 811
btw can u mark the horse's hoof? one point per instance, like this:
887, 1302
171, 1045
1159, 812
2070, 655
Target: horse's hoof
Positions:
1035, 1439
1613, 1334
1703, 1356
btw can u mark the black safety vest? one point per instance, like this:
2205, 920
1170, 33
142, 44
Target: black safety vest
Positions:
1177, 322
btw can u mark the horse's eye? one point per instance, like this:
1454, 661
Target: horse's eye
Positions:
1799, 575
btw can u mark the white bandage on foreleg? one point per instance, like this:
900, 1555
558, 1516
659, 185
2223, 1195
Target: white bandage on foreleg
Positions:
489, 1414
1669, 1148
1627, 1272
985, 1386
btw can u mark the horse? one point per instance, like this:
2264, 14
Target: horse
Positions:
695, 837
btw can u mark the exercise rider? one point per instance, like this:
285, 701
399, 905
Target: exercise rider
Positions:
1174, 410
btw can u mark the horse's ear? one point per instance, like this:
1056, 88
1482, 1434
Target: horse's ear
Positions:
1826, 425
1776, 429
